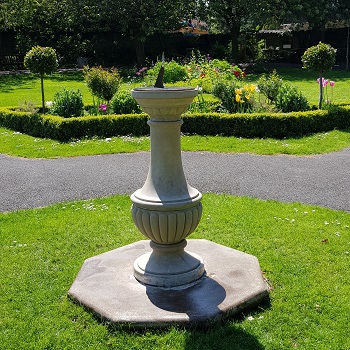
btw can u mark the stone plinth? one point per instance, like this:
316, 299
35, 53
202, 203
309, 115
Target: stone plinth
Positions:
107, 286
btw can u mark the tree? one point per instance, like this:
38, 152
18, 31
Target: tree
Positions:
41, 60
139, 19
319, 58
102, 83
231, 16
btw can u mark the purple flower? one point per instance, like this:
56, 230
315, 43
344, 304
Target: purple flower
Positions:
102, 108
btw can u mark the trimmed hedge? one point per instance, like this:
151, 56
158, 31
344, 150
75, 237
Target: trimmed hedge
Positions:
274, 125
262, 125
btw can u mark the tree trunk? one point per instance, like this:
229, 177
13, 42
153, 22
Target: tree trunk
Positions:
42, 92
234, 44
321, 91
140, 52
347, 46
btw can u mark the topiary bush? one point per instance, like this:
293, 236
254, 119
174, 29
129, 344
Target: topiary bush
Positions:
124, 103
67, 103
102, 83
41, 60
319, 58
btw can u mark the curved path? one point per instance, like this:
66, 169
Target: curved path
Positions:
322, 180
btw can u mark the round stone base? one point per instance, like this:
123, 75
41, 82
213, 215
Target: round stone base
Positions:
168, 266
106, 285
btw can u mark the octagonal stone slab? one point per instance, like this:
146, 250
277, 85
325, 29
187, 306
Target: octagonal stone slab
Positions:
232, 283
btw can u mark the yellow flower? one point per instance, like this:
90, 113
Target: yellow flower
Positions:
238, 91
238, 98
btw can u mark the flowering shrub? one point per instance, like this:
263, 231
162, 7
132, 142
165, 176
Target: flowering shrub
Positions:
102, 83
234, 99
204, 72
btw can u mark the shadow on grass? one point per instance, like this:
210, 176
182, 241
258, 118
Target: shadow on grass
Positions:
11, 82
301, 74
67, 76
224, 334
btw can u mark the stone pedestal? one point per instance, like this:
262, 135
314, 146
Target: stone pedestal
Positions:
166, 209
158, 282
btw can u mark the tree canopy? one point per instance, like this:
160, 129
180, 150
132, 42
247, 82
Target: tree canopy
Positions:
68, 23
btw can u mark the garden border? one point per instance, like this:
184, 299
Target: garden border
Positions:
249, 125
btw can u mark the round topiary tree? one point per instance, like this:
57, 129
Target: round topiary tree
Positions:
319, 58
102, 83
41, 60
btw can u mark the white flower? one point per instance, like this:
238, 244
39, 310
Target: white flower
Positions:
48, 104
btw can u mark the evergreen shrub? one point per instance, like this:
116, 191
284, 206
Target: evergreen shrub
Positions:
262, 125
67, 103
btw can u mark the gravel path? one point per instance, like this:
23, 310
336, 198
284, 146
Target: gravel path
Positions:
322, 180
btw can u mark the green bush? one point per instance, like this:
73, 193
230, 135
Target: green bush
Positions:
124, 103
275, 125
68, 103
269, 85
290, 99
102, 83
173, 72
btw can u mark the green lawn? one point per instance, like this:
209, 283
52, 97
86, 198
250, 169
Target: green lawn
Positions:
15, 89
303, 251
21, 145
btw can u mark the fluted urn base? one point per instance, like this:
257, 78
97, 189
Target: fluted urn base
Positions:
168, 266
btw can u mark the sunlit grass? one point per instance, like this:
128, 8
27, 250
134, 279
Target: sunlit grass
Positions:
16, 144
303, 251
15, 89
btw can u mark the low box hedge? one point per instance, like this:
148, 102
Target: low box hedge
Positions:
274, 125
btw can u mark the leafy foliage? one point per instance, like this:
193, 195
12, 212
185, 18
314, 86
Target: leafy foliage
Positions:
269, 85
41, 60
124, 103
233, 98
173, 72
290, 99
102, 83
68, 103
319, 58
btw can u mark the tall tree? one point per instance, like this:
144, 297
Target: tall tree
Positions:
138, 19
231, 16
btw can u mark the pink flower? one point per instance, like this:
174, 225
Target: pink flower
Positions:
331, 83
102, 108
325, 82
318, 80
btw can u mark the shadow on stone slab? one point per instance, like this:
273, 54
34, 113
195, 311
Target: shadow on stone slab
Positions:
106, 285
